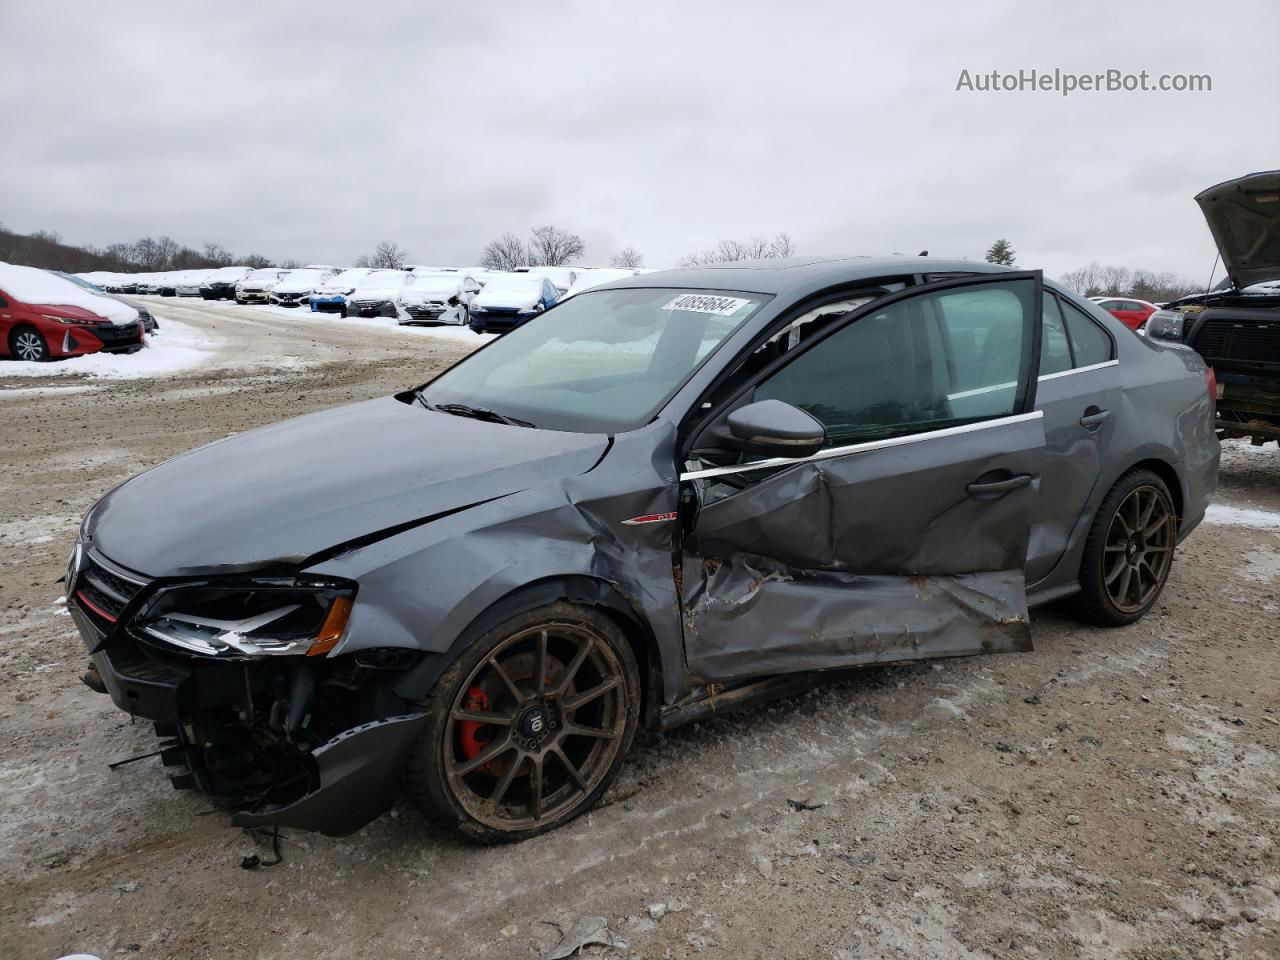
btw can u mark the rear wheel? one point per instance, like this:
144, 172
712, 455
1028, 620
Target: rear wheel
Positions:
529, 727
26, 343
1129, 552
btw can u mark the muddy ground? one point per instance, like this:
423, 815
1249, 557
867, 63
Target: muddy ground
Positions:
1112, 794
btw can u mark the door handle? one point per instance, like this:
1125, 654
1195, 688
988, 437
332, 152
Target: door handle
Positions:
998, 488
1093, 418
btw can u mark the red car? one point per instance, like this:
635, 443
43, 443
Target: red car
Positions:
43, 317
1132, 313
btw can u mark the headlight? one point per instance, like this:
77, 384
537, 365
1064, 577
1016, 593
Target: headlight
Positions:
1165, 325
269, 616
76, 320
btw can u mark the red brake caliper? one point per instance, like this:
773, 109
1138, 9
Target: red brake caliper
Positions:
469, 740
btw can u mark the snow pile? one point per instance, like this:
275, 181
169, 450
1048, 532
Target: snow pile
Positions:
1230, 516
39, 287
175, 348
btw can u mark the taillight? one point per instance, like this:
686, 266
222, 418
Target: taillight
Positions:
1211, 382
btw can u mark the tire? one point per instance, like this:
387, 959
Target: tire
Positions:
583, 654
26, 343
1124, 537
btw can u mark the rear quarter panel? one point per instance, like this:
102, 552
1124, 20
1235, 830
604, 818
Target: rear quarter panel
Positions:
1166, 414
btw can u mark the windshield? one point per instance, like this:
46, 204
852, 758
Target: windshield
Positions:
383, 278
264, 274
601, 362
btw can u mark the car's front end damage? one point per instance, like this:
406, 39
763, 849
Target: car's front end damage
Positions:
270, 734
266, 630
232, 672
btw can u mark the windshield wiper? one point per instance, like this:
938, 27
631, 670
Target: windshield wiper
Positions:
475, 413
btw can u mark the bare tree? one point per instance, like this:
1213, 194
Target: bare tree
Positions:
627, 257
216, 255
553, 247
756, 248
255, 260
1086, 281
49, 236
505, 253
387, 255
1115, 280
290, 264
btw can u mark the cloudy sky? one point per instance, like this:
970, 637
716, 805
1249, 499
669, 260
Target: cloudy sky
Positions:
314, 129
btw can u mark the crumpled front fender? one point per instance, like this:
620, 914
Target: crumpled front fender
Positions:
359, 772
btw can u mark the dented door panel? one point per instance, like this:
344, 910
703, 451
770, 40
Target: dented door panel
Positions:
877, 554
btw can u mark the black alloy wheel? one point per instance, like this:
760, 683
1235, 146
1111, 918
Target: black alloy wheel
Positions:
1130, 549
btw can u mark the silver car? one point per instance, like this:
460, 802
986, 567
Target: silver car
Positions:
665, 497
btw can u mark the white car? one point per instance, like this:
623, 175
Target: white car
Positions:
188, 282
443, 297
331, 296
257, 286
296, 287
378, 294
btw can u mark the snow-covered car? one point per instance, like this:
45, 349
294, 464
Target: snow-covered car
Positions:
443, 297
562, 277
187, 283
257, 286
148, 284
296, 287
595, 276
221, 283
331, 296
149, 324
509, 300
378, 294
46, 316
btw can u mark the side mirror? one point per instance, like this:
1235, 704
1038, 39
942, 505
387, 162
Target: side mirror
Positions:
773, 428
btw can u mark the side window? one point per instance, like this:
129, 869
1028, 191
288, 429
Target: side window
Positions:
3, 301
1055, 351
1089, 341
920, 364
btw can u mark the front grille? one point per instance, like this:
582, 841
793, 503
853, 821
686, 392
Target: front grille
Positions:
1222, 338
103, 593
425, 313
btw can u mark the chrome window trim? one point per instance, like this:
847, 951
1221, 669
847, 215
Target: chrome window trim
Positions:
1067, 373
861, 447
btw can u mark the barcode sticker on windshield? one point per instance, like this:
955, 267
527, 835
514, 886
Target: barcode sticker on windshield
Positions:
702, 303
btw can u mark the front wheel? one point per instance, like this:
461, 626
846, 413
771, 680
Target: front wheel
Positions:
529, 727
1129, 552
26, 343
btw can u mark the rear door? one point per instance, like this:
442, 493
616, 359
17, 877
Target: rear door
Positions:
1078, 393
906, 536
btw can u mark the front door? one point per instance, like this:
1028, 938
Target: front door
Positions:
905, 537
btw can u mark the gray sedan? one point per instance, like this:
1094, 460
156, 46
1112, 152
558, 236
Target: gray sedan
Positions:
662, 498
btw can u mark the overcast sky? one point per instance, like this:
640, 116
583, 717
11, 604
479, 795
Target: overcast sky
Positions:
313, 130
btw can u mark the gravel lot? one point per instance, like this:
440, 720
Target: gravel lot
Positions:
1112, 794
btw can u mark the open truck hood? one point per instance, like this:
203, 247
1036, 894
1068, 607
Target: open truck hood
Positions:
276, 495
1244, 218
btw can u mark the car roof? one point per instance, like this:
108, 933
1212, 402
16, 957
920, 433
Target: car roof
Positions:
798, 274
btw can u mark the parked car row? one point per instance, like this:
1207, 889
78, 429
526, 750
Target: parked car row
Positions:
45, 315
488, 301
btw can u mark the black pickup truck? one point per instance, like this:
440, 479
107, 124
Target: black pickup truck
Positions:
1236, 327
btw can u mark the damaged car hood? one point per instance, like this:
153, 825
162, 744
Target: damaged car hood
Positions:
1244, 218
274, 496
